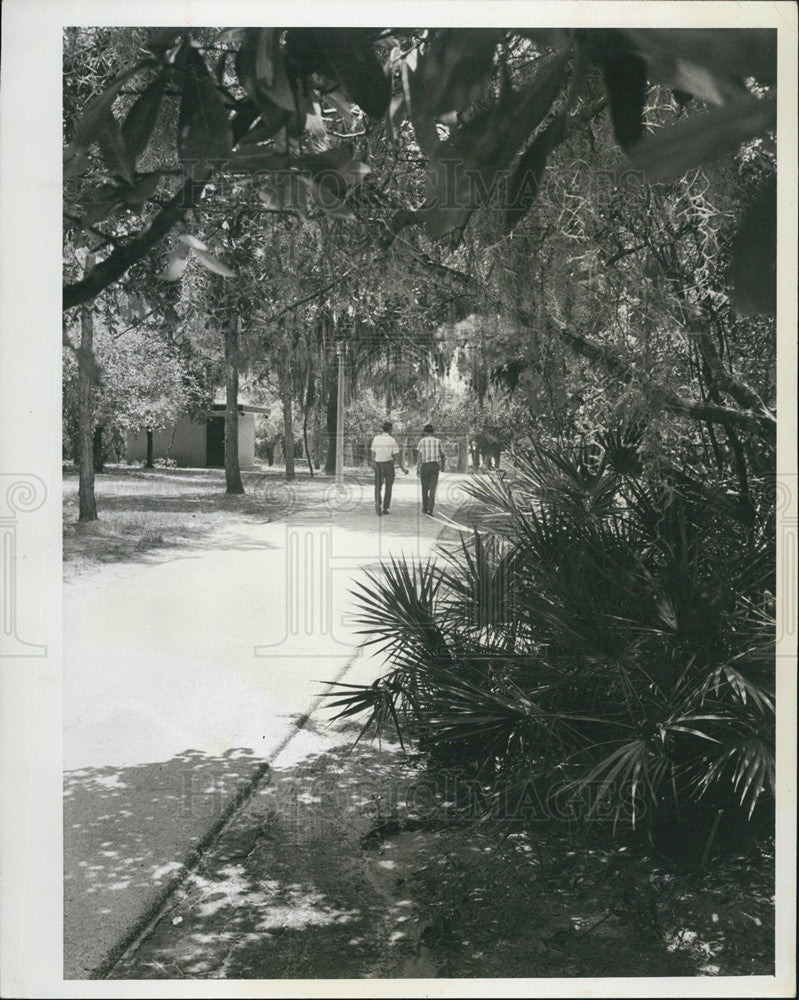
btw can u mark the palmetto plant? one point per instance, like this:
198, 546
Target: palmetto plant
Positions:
607, 634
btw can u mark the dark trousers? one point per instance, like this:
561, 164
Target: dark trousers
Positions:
384, 474
428, 473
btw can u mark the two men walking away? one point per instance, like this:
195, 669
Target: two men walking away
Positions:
384, 448
431, 462
430, 457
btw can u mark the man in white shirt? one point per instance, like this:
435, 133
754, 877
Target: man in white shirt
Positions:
430, 456
384, 449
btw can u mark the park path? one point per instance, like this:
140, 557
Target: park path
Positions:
186, 678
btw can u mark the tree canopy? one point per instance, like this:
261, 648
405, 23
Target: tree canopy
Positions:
563, 210
190, 111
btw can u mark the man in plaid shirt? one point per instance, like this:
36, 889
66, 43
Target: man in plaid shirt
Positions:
431, 461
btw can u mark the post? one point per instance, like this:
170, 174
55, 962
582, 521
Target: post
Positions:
233, 481
340, 417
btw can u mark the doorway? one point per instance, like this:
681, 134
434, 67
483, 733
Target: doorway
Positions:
215, 443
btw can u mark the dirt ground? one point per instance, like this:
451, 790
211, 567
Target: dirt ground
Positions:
360, 863
144, 510
354, 864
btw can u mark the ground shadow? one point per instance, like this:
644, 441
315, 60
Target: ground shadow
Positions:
351, 864
128, 831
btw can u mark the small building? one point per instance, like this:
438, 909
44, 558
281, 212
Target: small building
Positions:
198, 444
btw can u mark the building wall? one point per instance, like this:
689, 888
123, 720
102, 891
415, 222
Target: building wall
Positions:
185, 443
247, 440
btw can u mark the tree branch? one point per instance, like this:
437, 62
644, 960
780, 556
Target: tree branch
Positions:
314, 295
124, 257
724, 380
763, 425
95, 232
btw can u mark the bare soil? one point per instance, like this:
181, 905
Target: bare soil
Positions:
351, 864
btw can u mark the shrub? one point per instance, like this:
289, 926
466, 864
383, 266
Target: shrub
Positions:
607, 634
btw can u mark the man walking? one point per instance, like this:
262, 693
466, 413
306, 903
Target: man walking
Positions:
431, 462
384, 449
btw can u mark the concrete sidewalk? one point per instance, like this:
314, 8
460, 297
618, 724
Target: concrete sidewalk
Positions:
185, 678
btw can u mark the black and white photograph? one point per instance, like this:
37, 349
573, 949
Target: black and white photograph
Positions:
399, 499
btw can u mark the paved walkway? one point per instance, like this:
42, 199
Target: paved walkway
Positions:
185, 678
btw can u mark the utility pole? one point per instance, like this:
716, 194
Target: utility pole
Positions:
340, 418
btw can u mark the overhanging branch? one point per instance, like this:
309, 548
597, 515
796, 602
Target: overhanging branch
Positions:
760, 424
124, 257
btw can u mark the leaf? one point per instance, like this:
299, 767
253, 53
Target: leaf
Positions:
100, 203
75, 162
455, 68
270, 70
397, 112
354, 171
254, 137
261, 71
113, 148
466, 167
192, 241
703, 62
204, 134
330, 201
160, 40
754, 261
625, 81
424, 126
338, 100
315, 123
693, 141
351, 56
244, 115
143, 189
526, 178
177, 260
256, 161
328, 159
140, 120
269, 197
213, 264
91, 121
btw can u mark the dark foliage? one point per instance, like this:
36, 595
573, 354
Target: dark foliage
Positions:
609, 638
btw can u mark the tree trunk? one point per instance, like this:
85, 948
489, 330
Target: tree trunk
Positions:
463, 455
305, 442
288, 424
309, 402
232, 470
87, 507
97, 449
149, 463
332, 428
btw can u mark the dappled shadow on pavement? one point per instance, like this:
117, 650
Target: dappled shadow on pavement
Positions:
355, 863
128, 832
288, 890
